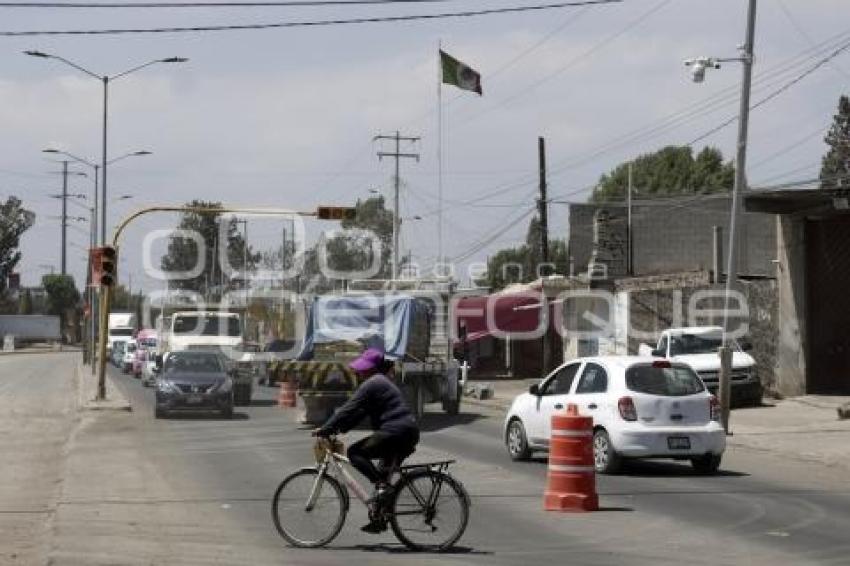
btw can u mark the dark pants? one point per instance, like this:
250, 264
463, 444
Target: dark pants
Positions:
384, 446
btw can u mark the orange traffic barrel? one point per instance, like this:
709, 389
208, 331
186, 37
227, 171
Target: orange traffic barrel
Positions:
571, 478
286, 395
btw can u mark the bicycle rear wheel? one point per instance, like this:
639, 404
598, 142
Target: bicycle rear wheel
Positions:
314, 526
430, 510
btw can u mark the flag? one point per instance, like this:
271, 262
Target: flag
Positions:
459, 74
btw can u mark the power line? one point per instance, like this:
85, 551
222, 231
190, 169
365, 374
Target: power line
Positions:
712, 103
291, 3
778, 91
572, 62
315, 23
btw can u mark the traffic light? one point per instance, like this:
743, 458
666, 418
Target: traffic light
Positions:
336, 213
108, 266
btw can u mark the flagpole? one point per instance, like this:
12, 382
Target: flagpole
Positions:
439, 152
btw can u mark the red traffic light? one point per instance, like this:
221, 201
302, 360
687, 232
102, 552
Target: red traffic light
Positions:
105, 263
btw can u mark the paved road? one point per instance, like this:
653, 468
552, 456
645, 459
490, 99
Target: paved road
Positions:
197, 490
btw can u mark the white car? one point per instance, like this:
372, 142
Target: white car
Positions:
642, 407
149, 369
128, 356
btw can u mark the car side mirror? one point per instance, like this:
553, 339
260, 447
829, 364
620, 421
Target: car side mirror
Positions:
746, 345
657, 353
534, 390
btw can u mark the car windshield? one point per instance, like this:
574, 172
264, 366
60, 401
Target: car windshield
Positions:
695, 344
196, 362
149, 343
207, 326
121, 331
675, 381
131, 348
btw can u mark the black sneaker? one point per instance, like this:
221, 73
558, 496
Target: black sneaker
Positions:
375, 526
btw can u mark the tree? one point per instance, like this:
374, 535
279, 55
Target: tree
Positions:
835, 166
26, 306
522, 264
183, 252
14, 221
62, 296
669, 171
344, 252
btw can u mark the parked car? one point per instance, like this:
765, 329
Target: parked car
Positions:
129, 356
642, 407
697, 346
193, 380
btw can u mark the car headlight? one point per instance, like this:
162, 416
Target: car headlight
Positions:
165, 386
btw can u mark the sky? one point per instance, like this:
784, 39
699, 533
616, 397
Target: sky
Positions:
285, 117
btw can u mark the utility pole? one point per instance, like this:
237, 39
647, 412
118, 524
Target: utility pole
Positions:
396, 218
543, 205
629, 270
740, 182
64, 214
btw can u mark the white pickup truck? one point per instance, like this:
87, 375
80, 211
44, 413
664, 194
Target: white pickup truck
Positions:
697, 346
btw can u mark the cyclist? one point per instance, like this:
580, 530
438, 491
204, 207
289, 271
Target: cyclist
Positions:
395, 431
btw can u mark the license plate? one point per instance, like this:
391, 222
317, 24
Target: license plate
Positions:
678, 443
194, 399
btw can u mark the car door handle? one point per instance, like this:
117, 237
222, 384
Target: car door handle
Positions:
592, 406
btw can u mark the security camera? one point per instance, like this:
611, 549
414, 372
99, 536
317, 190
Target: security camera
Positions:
699, 65
698, 72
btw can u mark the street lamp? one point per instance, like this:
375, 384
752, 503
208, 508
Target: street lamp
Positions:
105, 79
700, 64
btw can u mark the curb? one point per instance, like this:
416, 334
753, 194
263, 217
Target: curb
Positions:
87, 388
489, 403
45, 351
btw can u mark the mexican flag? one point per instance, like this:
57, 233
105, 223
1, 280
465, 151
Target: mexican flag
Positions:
459, 74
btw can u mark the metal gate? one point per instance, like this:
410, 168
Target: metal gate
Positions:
828, 305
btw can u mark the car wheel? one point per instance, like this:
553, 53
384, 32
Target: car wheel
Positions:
605, 458
706, 465
517, 442
227, 413
159, 413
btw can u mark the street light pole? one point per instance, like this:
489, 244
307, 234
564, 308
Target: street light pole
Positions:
105, 80
103, 160
64, 214
738, 187
699, 66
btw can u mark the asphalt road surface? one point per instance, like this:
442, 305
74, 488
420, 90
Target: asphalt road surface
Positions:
202, 486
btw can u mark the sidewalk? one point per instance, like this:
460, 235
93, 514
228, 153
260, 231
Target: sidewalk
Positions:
804, 428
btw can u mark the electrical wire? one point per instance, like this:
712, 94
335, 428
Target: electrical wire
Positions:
315, 23
777, 92
290, 3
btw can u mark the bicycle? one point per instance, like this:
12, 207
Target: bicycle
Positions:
310, 505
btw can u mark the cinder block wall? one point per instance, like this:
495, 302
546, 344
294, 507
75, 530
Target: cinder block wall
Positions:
676, 235
652, 310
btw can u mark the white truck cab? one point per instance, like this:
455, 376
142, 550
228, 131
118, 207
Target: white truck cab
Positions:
698, 347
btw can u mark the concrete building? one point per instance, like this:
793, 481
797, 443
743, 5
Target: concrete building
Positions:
813, 272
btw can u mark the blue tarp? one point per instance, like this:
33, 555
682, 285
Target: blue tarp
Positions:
377, 321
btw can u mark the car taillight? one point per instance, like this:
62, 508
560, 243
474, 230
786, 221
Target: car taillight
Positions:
627, 408
714, 408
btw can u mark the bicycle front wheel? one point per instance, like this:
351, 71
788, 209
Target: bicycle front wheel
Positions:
308, 509
430, 511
